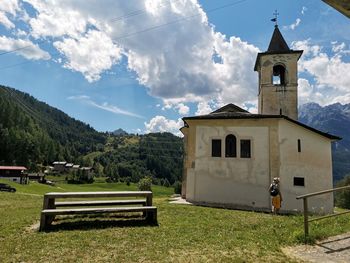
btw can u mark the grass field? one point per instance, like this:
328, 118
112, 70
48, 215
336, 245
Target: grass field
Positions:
184, 234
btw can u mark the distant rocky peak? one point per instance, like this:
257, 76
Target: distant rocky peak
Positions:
119, 132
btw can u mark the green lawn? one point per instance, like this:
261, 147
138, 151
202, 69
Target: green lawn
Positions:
184, 234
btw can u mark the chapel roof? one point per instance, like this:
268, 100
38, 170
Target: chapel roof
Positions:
229, 108
231, 111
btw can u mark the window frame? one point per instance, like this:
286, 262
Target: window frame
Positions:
229, 154
248, 156
212, 147
302, 182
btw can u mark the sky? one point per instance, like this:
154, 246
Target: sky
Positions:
142, 65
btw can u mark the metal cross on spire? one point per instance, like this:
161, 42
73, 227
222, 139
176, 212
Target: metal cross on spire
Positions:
276, 14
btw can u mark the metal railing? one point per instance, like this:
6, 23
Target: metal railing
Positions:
306, 212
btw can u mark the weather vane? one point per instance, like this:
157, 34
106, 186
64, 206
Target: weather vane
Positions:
275, 18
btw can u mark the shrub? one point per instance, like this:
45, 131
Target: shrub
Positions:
166, 183
128, 180
145, 184
177, 187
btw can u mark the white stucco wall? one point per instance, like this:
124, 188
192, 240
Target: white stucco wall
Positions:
313, 163
236, 181
243, 182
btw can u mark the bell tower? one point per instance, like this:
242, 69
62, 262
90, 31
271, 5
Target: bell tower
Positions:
278, 77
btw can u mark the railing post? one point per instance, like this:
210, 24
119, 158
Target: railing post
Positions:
306, 219
306, 215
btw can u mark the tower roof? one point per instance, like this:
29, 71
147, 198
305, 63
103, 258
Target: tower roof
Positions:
277, 43
277, 46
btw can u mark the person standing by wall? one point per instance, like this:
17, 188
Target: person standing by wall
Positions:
276, 195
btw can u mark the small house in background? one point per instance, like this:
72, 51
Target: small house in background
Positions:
14, 173
68, 167
75, 167
58, 166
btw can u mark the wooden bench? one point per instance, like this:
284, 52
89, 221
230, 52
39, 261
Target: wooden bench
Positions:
51, 207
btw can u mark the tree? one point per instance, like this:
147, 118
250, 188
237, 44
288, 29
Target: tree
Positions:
342, 197
98, 168
177, 187
145, 184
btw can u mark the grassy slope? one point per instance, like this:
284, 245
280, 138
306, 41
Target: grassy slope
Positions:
184, 234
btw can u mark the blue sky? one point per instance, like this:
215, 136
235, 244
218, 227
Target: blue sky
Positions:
142, 65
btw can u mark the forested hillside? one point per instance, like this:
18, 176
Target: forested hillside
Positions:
131, 157
34, 134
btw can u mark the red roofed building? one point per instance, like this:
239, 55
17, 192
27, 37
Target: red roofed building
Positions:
14, 173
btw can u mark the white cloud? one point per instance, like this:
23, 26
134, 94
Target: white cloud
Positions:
183, 109
56, 19
8, 7
294, 25
329, 72
339, 48
251, 106
5, 21
79, 97
21, 33
304, 91
176, 105
303, 10
309, 50
90, 55
162, 124
203, 108
25, 48
174, 62
114, 109
104, 106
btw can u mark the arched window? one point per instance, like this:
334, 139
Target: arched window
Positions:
230, 146
278, 75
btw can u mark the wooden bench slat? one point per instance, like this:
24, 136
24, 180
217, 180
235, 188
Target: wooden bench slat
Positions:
101, 202
98, 194
97, 210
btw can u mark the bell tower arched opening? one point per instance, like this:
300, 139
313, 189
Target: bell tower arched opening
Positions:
279, 75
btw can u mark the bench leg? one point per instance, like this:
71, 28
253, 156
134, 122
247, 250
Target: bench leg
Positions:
151, 216
45, 221
42, 222
154, 217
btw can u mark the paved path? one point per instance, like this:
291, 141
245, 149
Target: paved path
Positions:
331, 250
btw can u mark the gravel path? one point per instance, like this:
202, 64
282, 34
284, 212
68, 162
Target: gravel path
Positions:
331, 250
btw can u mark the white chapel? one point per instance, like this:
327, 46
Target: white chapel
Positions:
232, 156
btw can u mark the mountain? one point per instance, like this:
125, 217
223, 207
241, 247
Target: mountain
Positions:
119, 132
32, 132
334, 119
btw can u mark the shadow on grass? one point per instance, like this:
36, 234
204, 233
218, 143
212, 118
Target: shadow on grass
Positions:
82, 222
